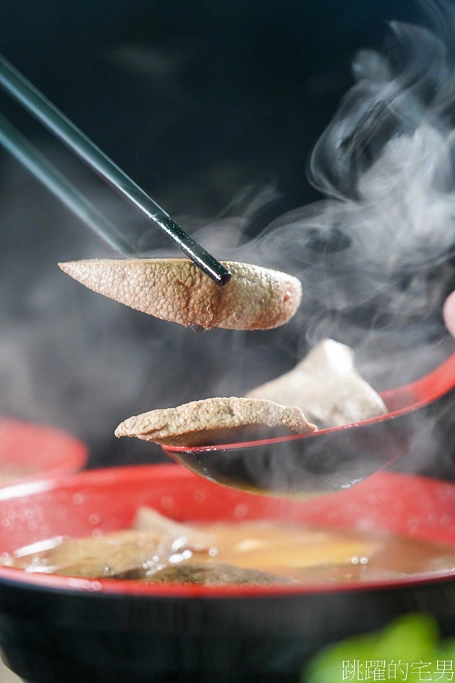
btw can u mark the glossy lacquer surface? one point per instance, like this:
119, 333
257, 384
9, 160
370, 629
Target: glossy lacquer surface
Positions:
63, 629
34, 451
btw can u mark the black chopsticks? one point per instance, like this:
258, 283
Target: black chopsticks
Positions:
38, 105
35, 162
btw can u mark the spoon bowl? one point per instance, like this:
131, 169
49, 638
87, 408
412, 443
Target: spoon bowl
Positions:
329, 460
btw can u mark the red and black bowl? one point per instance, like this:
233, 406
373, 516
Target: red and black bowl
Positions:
55, 629
30, 451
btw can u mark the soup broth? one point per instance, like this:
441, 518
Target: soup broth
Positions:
261, 552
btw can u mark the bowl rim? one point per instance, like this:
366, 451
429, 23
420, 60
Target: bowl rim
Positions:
74, 457
10, 576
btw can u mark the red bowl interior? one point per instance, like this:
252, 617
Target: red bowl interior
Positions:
38, 451
106, 500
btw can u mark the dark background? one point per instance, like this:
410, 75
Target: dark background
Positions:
215, 82
201, 103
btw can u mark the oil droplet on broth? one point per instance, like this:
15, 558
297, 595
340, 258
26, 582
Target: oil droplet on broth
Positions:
300, 553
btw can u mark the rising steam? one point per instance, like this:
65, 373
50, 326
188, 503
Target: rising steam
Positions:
375, 258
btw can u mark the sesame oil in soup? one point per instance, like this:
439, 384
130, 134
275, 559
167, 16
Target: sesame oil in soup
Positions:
321, 554
305, 554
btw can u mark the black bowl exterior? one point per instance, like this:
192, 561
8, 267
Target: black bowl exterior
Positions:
53, 636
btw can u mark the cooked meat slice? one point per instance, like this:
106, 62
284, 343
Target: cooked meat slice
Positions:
176, 290
112, 556
215, 420
326, 386
214, 574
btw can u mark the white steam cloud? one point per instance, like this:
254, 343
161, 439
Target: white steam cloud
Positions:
375, 256
375, 259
